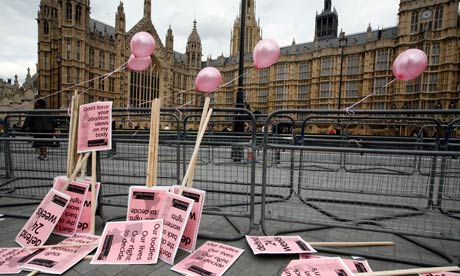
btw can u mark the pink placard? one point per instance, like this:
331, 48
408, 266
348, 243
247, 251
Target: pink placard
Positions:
67, 225
356, 266
95, 127
320, 266
209, 259
57, 260
278, 245
85, 217
10, 259
440, 274
175, 213
42, 222
145, 203
190, 236
130, 242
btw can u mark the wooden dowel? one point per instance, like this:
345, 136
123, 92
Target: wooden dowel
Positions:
410, 271
69, 148
83, 170
33, 273
350, 244
149, 179
61, 245
73, 134
93, 194
75, 172
195, 152
89, 257
157, 142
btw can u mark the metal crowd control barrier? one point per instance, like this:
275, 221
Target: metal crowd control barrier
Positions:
398, 185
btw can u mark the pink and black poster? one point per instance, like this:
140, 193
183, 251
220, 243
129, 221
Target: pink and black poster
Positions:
278, 245
57, 260
317, 266
130, 242
210, 259
95, 127
42, 222
190, 236
145, 203
356, 266
10, 259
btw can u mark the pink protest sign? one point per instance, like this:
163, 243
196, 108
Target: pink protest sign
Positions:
85, 217
278, 245
210, 259
440, 274
67, 225
356, 266
10, 259
145, 203
42, 222
189, 238
95, 127
130, 242
57, 260
175, 213
320, 266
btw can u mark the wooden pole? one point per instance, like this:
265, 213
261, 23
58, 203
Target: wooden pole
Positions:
350, 244
75, 172
93, 194
157, 142
410, 271
149, 180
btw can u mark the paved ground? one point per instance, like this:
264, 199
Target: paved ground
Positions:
248, 264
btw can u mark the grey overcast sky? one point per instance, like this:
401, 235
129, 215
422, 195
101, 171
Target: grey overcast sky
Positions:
281, 20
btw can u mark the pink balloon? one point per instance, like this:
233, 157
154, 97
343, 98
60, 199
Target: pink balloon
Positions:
265, 53
410, 64
139, 64
208, 79
142, 44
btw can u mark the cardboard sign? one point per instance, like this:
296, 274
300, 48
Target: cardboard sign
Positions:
85, 217
356, 266
210, 259
130, 242
95, 127
9, 259
145, 203
278, 245
42, 222
175, 213
190, 236
320, 266
57, 260
67, 225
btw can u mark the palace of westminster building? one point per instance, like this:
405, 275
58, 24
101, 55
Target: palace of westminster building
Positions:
333, 71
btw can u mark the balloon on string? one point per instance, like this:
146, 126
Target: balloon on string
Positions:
142, 44
139, 63
410, 64
265, 53
208, 79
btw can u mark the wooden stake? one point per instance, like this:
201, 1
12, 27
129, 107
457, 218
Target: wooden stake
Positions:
410, 271
75, 172
93, 194
149, 180
89, 257
83, 170
195, 152
61, 245
350, 244
33, 273
157, 142
72, 133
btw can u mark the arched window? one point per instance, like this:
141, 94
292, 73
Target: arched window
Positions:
46, 27
438, 17
68, 8
78, 13
414, 22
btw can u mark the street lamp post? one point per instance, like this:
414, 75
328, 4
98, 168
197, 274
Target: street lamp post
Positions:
59, 62
342, 44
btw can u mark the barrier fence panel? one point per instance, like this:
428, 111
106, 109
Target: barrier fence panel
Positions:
352, 180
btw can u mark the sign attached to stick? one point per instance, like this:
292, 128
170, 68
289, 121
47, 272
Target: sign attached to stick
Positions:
67, 225
278, 245
57, 260
440, 274
210, 259
95, 127
85, 217
321, 266
42, 222
130, 242
189, 238
356, 266
175, 213
10, 259
145, 203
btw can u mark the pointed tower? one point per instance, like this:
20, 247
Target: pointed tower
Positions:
193, 50
148, 9
326, 24
253, 33
169, 40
